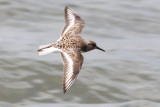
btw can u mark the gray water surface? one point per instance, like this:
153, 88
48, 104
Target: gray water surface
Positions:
128, 71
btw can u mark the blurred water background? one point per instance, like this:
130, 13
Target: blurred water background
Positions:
127, 75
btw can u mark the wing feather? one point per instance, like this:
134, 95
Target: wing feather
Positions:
71, 18
72, 66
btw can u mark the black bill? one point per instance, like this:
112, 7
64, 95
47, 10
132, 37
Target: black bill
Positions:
100, 49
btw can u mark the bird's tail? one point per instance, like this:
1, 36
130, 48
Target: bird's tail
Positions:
46, 49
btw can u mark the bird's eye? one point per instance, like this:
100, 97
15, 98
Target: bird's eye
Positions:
93, 44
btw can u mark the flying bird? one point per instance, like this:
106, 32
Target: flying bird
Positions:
70, 45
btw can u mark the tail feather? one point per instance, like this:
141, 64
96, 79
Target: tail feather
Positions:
44, 46
46, 49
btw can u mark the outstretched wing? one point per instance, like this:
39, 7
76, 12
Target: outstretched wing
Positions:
73, 21
72, 64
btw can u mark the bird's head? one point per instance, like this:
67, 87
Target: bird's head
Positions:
92, 45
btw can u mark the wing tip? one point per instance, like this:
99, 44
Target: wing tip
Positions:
64, 91
69, 10
68, 85
66, 7
65, 87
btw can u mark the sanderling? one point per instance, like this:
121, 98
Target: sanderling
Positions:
70, 45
